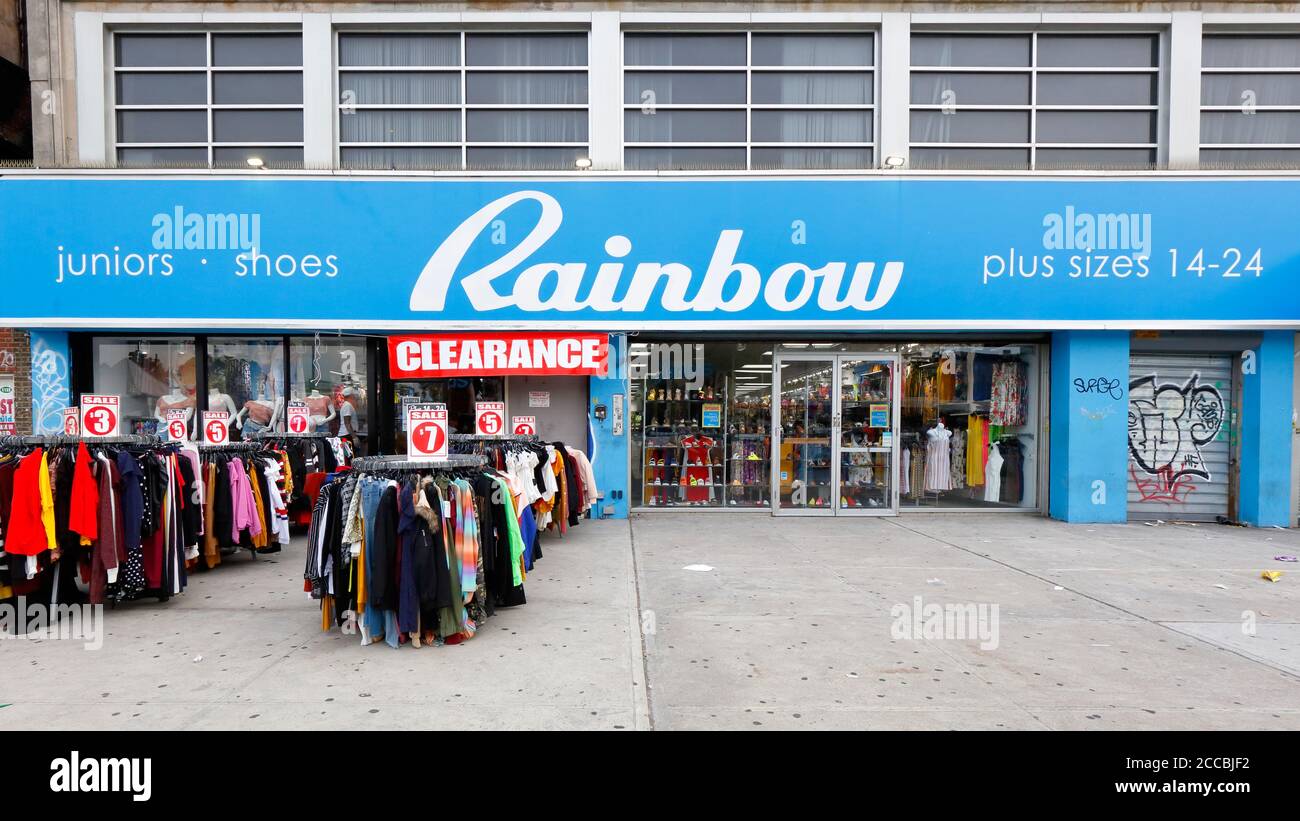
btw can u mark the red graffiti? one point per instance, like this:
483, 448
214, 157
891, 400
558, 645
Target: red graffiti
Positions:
1165, 485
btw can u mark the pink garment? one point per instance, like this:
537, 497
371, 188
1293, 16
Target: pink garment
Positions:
241, 497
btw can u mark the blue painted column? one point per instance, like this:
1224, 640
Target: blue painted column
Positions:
609, 452
1088, 480
51, 380
1265, 467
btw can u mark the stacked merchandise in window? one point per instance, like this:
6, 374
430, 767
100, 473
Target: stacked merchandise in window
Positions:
683, 456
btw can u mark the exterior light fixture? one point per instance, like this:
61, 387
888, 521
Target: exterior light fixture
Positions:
583, 162
895, 161
255, 162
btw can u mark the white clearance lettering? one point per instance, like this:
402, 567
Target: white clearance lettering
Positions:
570, 354
408, 356
590, 353
544, 353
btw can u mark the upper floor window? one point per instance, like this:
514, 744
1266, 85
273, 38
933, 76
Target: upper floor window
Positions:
207, 98
433, 100
1034, 100
1250, 100
759, 100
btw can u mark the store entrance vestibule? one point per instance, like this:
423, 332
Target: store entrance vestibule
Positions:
835, 434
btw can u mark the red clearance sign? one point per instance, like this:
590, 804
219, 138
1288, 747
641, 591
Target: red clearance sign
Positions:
524, 353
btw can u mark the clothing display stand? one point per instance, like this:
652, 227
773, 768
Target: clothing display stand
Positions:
120, 528
312, 456
401, 464
210, 453
416, 551
475, 442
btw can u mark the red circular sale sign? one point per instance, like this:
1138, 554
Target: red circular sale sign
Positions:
176, 429
100, 414
426, 430
431, 436
297, 424
490, 418
216, 427
216, 431
70, 426
524, 425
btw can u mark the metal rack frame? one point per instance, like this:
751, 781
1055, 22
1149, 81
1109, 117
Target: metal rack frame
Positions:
367, 464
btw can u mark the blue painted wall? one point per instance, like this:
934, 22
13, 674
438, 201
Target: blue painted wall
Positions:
51, 380
1265, 487
1089, 426
609, 453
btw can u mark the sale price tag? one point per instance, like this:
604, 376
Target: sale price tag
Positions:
101, 414
490, 418
426, 430
216, 427
298, 417
72, 421
523, 425
176, 424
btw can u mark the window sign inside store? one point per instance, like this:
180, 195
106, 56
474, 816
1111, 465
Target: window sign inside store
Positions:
711, 416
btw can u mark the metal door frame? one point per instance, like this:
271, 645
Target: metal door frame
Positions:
835, 359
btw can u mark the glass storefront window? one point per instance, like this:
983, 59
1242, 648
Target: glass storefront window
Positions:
970, 425
459, 395
330, 377
151, 374
701, 417
245, 377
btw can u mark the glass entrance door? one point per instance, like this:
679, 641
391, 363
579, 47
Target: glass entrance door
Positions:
835, 434
803, 410
867, 434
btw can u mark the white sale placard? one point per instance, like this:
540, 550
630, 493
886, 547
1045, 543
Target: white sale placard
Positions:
71, 421
176, 424
101, 414
490, 418
298, 417
523, 425
216, 427
426, 430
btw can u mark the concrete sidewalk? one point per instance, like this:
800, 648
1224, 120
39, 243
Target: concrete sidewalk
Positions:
791, 628
569, 659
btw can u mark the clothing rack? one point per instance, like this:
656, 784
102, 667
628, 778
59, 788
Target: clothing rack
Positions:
263, 435
233, 447
56, 439
375, 464
502, 437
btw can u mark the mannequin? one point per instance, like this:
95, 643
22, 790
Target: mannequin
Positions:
176, 399
322, 410
938, 458
218, 401
258, 414
347, 413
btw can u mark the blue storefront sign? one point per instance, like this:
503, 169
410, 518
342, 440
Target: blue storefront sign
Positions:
627, 255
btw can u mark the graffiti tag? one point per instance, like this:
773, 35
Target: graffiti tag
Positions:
1168, 424
1101, 385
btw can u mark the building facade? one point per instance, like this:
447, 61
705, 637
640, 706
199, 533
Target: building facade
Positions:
869, 260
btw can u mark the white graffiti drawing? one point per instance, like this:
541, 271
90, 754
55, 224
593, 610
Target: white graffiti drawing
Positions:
1169, 423
50, 388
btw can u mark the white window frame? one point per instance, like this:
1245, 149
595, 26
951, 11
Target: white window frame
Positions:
464, 106
1202, 108
1158, 148
208, 70
749, 70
